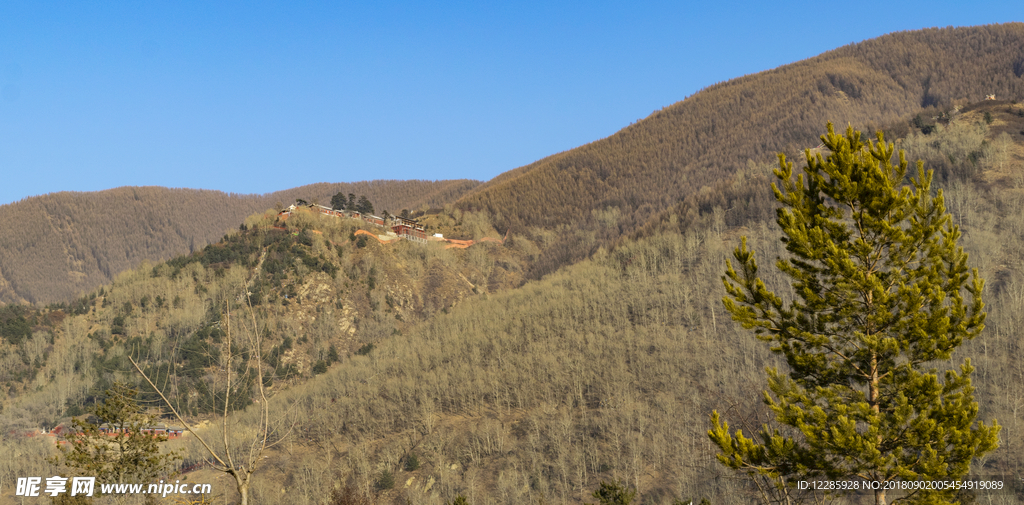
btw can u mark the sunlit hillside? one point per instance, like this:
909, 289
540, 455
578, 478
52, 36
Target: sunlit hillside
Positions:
696, 147
557, 328
58, 246
382, 354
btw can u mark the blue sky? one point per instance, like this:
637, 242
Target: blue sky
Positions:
254, 97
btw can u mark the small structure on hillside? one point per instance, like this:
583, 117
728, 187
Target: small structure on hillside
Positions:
990, 97
399, 220
327, 211
414, 233
408, 229
286, 212
155, 429
400, 227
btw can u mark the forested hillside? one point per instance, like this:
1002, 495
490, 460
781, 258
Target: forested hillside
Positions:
694, 148
57, 246
415, 373
609, 369
401, 374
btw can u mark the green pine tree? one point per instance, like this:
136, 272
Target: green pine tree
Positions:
614, 493
338, 201
364, 206
882, 296
124, 452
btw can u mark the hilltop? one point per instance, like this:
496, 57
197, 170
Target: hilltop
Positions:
56, 247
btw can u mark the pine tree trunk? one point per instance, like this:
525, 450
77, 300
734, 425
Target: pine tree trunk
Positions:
873, 399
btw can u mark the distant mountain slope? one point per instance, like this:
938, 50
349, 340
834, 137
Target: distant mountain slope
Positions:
695, 144
607, 369
388, 195
51, 249
54, 247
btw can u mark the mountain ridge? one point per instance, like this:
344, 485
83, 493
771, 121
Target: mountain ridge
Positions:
688, 150
705, 139
54, 247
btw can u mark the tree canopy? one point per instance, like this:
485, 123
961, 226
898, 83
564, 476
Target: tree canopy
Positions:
120, 449
881, 294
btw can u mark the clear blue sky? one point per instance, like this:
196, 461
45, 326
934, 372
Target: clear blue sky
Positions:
253, 97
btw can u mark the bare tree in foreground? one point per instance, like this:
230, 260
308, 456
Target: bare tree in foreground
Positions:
240, 466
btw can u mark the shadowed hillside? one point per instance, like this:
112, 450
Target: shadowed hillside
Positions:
57, 246
694, 145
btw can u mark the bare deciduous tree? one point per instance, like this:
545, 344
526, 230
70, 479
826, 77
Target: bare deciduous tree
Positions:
227, 459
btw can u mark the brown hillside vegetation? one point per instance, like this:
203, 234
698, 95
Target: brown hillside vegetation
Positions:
390, 195
414, 374
320, 280
608, 369
694, 145
57, 246
605, 370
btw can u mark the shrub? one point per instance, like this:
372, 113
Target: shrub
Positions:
347, 495
614, 493
412, 462
320, 367
386, 480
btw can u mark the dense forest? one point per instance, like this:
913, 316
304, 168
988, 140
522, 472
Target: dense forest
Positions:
58, 246
696, 147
